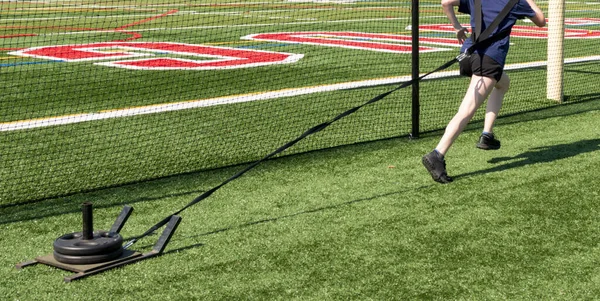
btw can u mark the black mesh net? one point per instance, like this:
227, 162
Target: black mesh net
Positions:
102, 93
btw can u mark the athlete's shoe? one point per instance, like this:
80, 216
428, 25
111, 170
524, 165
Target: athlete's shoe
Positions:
436, 166
488, 142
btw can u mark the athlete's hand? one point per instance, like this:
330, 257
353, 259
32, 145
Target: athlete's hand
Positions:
461, 35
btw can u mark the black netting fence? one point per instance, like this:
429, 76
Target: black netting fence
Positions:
103, 93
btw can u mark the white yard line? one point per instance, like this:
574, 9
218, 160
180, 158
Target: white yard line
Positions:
199, 103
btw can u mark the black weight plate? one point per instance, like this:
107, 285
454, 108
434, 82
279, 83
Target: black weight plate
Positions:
74, 244
90, 259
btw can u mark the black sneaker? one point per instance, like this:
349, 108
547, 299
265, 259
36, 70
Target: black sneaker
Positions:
436, 166
488, 142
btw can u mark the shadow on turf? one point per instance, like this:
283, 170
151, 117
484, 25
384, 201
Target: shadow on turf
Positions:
183, 248
278, 218
319, 209
61, 206
572, 105
581, 71
543, 154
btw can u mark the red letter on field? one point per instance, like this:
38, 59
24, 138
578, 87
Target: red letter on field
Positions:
223, 57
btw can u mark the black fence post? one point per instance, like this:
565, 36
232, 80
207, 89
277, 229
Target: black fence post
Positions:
415, 69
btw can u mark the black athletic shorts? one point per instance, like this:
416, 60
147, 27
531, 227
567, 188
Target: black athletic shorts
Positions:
476, 65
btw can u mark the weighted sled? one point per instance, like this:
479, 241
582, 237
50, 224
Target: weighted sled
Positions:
102, 242
87, 259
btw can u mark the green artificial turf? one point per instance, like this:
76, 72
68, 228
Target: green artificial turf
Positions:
338, 216
355, 222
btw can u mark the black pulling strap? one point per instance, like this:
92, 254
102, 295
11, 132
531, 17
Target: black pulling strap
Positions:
483, 39
480, 41
478, 17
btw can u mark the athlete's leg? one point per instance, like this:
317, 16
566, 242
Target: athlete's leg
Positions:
495, 102
479, 89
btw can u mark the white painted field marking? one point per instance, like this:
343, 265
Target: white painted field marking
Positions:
192, 104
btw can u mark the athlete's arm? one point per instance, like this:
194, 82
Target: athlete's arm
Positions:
539, 18
448, 7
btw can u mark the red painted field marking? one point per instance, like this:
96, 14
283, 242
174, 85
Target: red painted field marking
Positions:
147, 19
10, 36
222, 57
133, 35
521, 31
355, 40
582, 21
